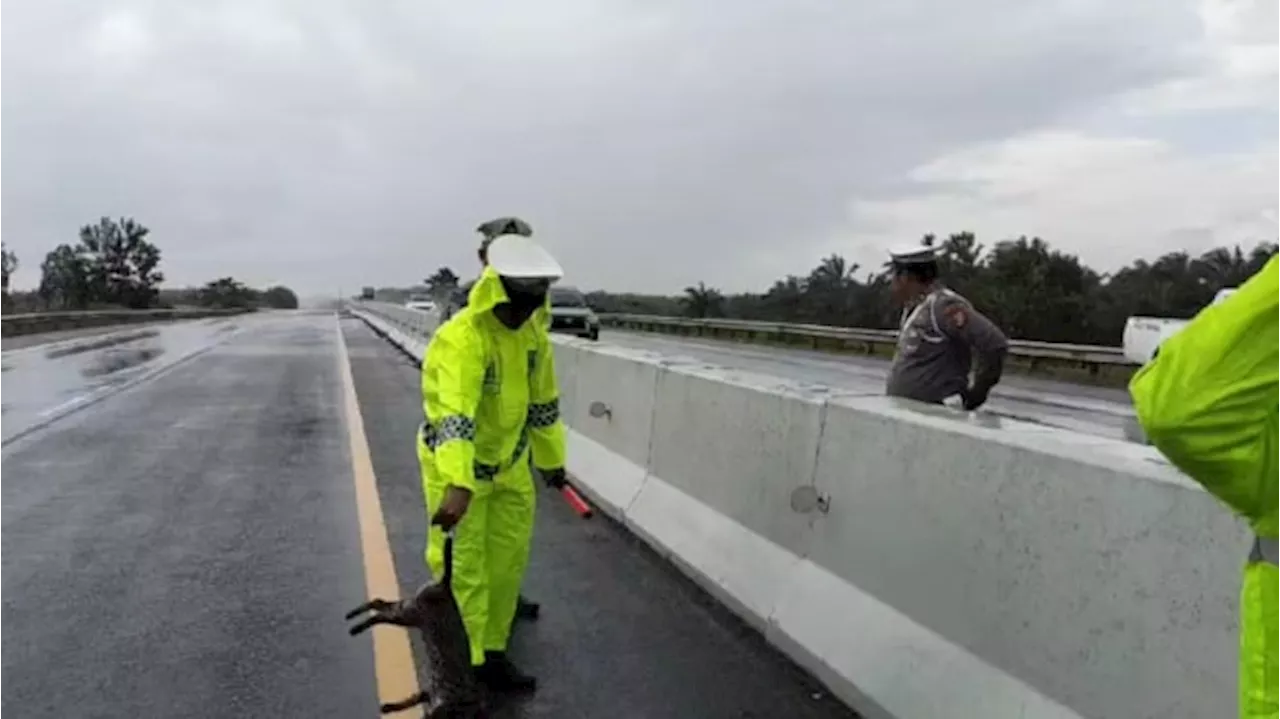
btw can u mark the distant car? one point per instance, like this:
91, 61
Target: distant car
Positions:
571, 315
420, 303
1144, 335
1141, 343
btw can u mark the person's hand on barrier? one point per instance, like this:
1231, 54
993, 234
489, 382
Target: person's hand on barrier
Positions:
555, 478
456, 501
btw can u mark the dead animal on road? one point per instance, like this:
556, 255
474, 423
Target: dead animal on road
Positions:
450, 689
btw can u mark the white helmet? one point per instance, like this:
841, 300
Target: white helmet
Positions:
520, 257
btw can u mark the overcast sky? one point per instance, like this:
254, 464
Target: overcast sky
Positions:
326, 144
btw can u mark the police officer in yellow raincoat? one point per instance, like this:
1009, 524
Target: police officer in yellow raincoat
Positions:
1208, 402
490, 398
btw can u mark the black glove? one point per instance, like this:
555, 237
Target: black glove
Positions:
555, 478
974, 397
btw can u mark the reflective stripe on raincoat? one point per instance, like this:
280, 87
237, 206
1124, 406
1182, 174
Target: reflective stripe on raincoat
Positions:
1208, 402
489, 391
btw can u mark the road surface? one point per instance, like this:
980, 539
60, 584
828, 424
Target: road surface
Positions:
1099, 411
44, 338
186, 546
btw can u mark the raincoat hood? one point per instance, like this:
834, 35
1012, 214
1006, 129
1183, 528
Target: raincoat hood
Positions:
488, 292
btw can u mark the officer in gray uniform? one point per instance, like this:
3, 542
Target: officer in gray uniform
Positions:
940, 337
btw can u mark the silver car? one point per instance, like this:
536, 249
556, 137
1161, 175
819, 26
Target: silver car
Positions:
570, 313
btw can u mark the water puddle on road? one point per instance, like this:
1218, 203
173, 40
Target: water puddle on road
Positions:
115, 361
109, 341
1093, 429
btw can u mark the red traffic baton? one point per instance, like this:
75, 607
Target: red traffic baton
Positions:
576, 502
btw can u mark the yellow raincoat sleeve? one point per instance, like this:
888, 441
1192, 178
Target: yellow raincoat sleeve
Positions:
452, 382
545, 426
1208, 399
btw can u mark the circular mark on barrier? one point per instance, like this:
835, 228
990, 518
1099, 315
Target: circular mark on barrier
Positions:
807, 499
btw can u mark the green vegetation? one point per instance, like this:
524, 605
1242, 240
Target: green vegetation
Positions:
1030, 289
10, 265
115, 266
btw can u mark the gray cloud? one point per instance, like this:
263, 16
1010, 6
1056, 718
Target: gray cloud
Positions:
331, 144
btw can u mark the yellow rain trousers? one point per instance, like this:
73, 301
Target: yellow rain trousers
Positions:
1208, 402
490, 398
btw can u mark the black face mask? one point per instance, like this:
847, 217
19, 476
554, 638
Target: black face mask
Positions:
524, 294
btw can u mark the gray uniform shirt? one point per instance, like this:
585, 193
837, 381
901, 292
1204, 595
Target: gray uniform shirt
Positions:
937, 343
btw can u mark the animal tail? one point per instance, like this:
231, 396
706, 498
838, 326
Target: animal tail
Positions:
448, 560
403, 704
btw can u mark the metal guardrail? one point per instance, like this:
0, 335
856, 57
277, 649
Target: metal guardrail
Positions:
31, 323
1093, 356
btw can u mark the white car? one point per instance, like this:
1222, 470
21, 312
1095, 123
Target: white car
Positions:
1144, 335
422, 304
570, 313
1142, 339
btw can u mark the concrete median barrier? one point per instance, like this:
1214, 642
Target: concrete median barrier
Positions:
616, 446
946, 565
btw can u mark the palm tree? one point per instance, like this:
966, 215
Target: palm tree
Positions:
10, 261
833, 272
703, 301
1221, 267
830, 289
442, 282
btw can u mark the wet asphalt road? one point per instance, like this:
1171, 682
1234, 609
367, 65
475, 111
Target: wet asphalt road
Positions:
187, 546
1092, 410
45, 381
45, 338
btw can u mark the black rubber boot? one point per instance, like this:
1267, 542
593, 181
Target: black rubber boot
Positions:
527, 609
498, 674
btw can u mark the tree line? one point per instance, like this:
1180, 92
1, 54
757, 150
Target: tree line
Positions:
1030, 289
115, 266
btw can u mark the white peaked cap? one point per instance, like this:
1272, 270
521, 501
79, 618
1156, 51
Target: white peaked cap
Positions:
913, 254
517, 256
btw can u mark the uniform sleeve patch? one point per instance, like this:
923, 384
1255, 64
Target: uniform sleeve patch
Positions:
957, 315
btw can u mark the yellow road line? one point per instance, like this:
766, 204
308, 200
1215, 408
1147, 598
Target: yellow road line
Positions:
393, 657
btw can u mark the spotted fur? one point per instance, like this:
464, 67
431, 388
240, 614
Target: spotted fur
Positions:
450, 689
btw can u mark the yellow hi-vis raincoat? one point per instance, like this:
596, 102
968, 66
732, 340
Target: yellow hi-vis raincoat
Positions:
490, 396
1208, 402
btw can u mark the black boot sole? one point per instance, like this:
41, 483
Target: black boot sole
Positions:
502, 685
527, 610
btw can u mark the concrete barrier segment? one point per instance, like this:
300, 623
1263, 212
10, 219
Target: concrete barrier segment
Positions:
955, 565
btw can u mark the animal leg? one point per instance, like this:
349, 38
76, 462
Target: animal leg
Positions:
379, 619
376, 605
403, 704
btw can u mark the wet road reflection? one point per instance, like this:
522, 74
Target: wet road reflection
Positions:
46, 381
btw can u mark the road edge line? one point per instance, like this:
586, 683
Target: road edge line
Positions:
394, 666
